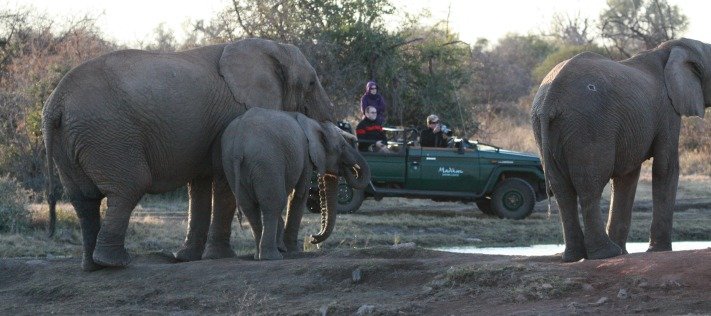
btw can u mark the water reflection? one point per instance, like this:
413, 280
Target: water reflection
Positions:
547, 250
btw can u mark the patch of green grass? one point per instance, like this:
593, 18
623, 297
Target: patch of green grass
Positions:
14, 218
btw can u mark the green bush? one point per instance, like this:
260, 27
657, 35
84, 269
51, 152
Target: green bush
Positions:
13, 199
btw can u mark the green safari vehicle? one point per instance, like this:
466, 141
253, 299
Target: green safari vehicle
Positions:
503, 183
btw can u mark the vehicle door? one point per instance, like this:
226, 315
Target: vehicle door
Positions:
442, 169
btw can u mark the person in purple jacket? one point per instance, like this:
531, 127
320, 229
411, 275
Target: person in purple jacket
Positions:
373, 98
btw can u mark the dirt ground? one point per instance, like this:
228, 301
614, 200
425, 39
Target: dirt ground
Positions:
376, 281
384, 280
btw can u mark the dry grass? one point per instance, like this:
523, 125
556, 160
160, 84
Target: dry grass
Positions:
508, 126
390, 221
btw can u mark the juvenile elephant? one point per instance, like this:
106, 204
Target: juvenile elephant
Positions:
268, 157
596, 119
133, 122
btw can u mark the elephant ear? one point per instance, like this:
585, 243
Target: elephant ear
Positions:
682, 75
255, 73
316, 139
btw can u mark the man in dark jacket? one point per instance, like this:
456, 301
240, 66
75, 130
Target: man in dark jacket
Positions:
433, 135
370, 133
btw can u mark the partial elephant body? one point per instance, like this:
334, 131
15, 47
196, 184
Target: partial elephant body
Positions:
135, 122
268, 157
596, 119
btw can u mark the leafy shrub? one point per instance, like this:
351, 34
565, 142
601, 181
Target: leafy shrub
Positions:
13, 198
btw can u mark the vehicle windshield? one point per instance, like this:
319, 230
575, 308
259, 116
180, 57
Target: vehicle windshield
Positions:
485, 147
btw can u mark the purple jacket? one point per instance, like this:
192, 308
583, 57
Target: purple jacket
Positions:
375, 100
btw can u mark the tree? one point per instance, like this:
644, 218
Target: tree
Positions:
571, 30
631, 26
504, 73
36, 55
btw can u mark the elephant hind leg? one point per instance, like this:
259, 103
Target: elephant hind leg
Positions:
87, 210
271, 208
620, 215
572, 233
125, 188
597, 244
110, 250
250, 209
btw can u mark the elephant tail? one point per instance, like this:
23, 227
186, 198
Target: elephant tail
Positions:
235, 175
545, 156
541, 118
51, 120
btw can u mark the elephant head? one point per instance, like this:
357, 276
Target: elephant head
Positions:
332, 156
687, 75
271, 75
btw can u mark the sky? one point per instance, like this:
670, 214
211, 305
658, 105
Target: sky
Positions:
128, 21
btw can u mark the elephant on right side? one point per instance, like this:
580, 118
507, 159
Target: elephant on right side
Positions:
597, 119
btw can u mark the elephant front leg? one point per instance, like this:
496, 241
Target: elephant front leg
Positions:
620, 215
199, 211
295, 211
665, 179
218, 241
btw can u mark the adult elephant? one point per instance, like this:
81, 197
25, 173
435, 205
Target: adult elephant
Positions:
596, 119
133, 122
269, 168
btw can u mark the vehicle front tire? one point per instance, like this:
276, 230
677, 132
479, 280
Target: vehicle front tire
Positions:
513, 198
349, 199
484, 206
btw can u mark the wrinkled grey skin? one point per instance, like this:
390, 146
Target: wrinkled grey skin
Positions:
268, 157
596, 119
133, 122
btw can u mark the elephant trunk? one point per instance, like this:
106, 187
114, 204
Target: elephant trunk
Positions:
328, 195
357, 175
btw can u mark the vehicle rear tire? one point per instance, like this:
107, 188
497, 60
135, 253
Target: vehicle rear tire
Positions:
484, 206
349, 199
513, 198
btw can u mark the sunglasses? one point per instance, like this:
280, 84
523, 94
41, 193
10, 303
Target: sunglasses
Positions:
434, 123
373, 88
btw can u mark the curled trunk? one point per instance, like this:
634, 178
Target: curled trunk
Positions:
328, 196
357, 175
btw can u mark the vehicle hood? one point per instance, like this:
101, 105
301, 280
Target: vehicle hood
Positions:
511, 157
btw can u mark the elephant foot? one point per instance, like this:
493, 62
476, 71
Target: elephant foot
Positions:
659, 247
189, 253
88, 264
291, 246
270, 255
607, 250
573, 254
111, 256
214, 251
